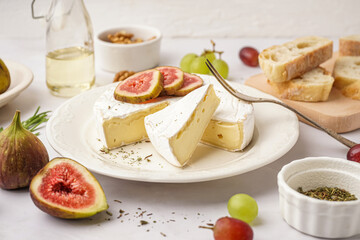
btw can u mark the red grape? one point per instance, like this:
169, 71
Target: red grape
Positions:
249, 56
227, 228
354, 153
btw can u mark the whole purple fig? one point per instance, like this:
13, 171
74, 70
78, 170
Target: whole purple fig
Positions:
22, 155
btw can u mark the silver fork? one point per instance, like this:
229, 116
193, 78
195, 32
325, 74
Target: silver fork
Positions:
250, 99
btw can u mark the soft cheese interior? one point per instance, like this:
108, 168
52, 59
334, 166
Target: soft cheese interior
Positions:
232, 126
176, 130
118, 123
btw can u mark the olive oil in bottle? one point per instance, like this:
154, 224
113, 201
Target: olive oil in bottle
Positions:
70, 71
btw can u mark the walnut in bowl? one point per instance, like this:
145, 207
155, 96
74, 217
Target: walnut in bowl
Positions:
116, 55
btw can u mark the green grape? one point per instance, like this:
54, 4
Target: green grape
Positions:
222, 67
210, 56
243, 207
186, 61
198, 66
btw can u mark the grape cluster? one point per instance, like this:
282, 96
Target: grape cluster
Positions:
192, 63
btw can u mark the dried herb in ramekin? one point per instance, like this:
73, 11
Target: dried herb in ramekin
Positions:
329, 194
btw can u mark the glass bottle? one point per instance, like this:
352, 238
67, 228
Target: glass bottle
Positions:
70, 67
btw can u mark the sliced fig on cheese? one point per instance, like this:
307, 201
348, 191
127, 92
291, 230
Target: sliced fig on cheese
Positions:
173, 79
140, 87
191, 82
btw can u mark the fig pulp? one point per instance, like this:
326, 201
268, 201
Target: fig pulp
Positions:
22, 155
191, 82
66, 189
140, 87
173, 79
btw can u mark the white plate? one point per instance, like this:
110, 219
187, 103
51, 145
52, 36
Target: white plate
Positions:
71, 132
21, 77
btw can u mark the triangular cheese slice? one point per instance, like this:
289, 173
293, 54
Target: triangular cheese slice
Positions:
176, 130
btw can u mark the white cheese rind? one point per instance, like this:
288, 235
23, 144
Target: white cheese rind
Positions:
165, 125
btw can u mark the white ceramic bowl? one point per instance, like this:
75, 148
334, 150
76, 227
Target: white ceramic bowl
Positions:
136, 57
316, 217
21, 78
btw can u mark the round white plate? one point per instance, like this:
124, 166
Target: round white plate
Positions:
71, 132
21, 77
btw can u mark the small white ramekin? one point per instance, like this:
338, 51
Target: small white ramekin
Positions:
136, 57
316, 217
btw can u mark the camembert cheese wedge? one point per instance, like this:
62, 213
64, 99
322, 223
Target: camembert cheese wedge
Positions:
176, 130
120, 123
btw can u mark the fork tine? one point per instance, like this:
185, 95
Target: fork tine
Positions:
220, 80
228, 87
218, 76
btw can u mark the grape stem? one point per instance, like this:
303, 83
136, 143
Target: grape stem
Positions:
213, 45
206, 51
211, 228
211, 51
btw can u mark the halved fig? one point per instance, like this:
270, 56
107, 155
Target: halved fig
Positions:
66, 189
191, 82
173, 79
140, 87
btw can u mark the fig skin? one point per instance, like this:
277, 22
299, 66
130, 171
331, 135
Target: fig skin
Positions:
5, 78
22, 155
56, 210
145, 96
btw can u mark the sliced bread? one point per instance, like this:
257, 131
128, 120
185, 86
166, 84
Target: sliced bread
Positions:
313, 86
346, 71
347, 75
284, 62
349, 46
352, 90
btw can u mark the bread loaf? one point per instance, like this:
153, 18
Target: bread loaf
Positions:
292, 59
349, 46
347, 75
313, 86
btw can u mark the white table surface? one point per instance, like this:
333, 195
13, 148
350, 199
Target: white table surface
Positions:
178, 209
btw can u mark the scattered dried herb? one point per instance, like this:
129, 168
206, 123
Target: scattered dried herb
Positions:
143, 222
329, 194
120, 213
148, 156
105, 150
142, 213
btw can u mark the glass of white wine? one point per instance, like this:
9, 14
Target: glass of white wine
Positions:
70, 67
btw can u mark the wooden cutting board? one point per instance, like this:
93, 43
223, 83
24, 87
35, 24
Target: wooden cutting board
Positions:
338, 113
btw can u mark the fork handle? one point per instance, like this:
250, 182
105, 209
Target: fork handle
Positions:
332, 133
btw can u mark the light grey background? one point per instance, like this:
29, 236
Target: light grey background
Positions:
201, 18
